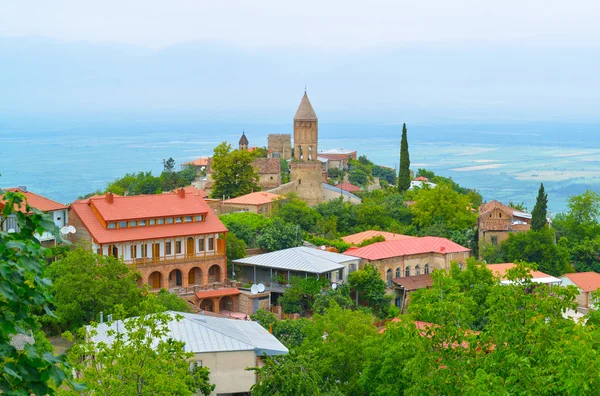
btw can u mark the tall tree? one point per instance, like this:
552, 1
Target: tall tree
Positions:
404, 174
539, 214
233, 174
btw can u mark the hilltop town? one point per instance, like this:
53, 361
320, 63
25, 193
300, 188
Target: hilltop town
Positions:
321, 271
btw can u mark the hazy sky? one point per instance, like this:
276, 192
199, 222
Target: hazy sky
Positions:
344, 24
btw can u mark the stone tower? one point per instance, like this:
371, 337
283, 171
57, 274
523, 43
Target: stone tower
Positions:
243, 142
305, 168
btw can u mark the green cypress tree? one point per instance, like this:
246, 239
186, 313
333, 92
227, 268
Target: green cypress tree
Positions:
404, 174
539, 214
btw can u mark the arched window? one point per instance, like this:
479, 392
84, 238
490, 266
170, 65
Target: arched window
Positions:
389, 278
417, 270
426, 269
407, 271
398, 272
310, 153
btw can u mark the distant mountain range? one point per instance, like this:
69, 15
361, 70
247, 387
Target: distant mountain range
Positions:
421, 83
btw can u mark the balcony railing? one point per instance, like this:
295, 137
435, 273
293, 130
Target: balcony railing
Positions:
180, 257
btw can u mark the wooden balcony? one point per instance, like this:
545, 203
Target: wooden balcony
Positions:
178, 258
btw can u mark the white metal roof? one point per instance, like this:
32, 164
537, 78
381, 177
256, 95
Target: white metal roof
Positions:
546, 279
202, 333
302, 259
338, 151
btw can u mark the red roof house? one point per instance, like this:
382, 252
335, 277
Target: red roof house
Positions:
348, 187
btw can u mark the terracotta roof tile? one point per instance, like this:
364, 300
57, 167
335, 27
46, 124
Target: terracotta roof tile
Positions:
406, 247
586, 281
489, 206
151, 206
267, 165
37, 201
348, 187
202, 161
501, 269
255, 198
358, 238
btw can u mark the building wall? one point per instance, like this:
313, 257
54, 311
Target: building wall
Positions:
306, 140
228, 370
269, 180
246, 302
583, 299
280, 146
264, 209
82, 236
435, 261
307, 179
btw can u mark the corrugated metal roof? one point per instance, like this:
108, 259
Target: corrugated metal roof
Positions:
210, 334
406, 247
303, 259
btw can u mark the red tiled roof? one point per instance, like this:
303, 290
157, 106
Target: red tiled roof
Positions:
149, 206
267, 165
152, 208
202, 161
37, 201
421, 178
255, 198
406, 247
489, 206
416, 282
358, 238
231, 291
501, 269
194, 190
586, 281
348, 187
335, 157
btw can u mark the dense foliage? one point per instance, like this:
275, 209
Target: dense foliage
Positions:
232, 172
404, 173
539, 213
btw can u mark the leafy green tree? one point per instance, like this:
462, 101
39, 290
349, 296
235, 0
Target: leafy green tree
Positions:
518, 206
265, 318
245, 225
260, 152
296, 211
300, 296
344, 212
581, 221
404, 174
172, 302
280, 235
370, 288
291, 374
291, 332
422, 172
235, 248
442, 205
169, 165
335, 173
24, 289
493, 254
540, 210
341, 296
107, 281
384, 174
358, 177
538, 247
285, 171
233, 174
140, 359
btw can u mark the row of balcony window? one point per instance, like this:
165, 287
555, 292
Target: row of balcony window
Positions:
150, 222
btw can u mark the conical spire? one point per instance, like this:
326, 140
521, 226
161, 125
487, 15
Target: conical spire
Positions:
305, 110
243, 139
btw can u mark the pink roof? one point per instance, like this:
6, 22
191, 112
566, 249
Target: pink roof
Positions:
500, 270
192, 189
36, 201
256, 198
406, 247
421, 178
202, 161
586, 281
358, 238
348, 187
153, 207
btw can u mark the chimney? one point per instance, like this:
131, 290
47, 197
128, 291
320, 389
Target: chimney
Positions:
22, 188
181, 193
109, 197
101, 317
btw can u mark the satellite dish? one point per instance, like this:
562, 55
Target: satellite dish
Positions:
12, 230
334, 286
323, 247
64, 230
254, 289
260, 287
72, 229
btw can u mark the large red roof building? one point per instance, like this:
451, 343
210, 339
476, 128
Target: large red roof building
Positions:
173, 239
410, 256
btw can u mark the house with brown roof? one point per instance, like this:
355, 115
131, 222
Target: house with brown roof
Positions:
174, 240
497, 220
348, 187
260, 202
56, 210
269, 172
410, 256
586, 283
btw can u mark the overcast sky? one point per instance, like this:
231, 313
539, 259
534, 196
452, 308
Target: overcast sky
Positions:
326, 24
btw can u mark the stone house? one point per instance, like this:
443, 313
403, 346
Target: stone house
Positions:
497, 220
410, 256
269, 172
227, 347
